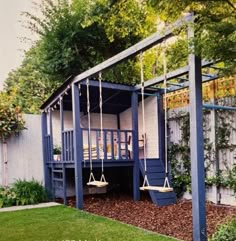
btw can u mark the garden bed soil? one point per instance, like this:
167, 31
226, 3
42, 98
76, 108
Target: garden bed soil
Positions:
174, 220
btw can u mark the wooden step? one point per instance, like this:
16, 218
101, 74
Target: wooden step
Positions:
156, 177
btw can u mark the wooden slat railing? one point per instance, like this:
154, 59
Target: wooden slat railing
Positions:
111, 145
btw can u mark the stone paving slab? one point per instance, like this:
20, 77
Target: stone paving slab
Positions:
41, 205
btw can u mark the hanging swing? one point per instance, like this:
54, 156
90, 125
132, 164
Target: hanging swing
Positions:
92, 181
146, 186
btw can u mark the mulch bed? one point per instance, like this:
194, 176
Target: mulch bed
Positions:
174, 220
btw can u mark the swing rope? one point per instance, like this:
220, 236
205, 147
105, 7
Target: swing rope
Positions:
166, 182
102, 179
145, 180
91, 177
92, 180
166, 187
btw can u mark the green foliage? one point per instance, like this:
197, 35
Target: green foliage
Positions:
179, 154
215, 26
220, 179
225, 232
27, 85
57, 150
230, 180
22, 192
11, 120
29, 192
223, 128
7, 197
77, 36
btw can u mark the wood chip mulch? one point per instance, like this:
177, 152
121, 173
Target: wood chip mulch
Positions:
174, 220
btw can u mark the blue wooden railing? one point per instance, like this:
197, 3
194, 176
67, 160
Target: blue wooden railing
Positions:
67, 146
48, 148
111, 145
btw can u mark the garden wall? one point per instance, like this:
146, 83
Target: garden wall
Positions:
25, 159
219, 143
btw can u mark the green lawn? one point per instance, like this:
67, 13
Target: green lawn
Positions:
67, 224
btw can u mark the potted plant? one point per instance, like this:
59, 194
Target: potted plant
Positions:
57, 153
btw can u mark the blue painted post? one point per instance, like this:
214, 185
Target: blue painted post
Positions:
62, 148
161, 129
44, 130
196, 146
78, 146
51, 134
62, 129
136, 172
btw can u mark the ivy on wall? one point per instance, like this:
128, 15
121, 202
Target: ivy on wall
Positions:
179, 153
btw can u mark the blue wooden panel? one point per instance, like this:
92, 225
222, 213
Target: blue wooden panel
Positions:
112, 145
155, 169
165, 195
153, 163
97, 144
156, 182
165, 202
119, 144
126, 145
105, 144
64, 185
72, 146
156, 175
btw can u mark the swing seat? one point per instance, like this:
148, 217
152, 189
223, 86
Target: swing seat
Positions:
156, 188
97, 183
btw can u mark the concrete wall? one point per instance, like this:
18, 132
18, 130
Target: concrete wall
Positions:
150, 123
25, 159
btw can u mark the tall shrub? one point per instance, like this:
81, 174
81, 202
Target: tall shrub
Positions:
11, 123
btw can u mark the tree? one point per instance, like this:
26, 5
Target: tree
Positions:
27, 85
11, 122
77, 36
215, 26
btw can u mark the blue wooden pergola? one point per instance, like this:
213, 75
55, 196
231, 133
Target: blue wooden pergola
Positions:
117, 98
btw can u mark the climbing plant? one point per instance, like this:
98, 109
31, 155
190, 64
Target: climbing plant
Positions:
179, 152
